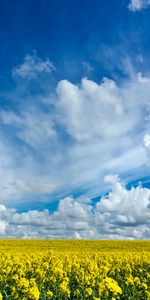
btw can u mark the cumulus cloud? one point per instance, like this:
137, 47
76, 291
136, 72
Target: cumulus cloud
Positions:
79, 106
126, 211
122, 214
137, 5
32, 67
86, 110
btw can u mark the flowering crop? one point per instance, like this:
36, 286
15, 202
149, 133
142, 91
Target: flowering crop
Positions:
62, 270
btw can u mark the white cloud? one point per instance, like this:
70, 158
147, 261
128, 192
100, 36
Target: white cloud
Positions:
137, 5
80, 105
126, 211
32, 125
143, 79
32, 67
85, 111
147, 146
34, 186
147, 141
111, 178
122, 214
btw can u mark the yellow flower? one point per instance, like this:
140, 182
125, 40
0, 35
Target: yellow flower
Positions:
88, 292
64, 288
49, 293
130, 280
144, 285
24, 282
112, 285
15, 277
32, 282
34, 293
137, 281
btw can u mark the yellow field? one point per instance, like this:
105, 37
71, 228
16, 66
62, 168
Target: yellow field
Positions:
74, 270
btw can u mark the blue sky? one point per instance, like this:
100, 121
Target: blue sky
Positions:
74, 119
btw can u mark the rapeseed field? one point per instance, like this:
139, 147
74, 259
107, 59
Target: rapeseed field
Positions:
61, 270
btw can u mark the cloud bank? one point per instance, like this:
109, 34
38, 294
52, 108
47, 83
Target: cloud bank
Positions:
122, 214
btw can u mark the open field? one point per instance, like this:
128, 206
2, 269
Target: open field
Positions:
38, 269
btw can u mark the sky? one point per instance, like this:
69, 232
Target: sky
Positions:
75, 119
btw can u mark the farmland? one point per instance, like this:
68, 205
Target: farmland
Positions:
45, 269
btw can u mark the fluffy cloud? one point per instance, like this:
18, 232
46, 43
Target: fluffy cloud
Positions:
32, 66
85, 111
79, 106
121, 214
136, 5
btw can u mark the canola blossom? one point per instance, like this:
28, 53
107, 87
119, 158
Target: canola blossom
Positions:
62, 270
